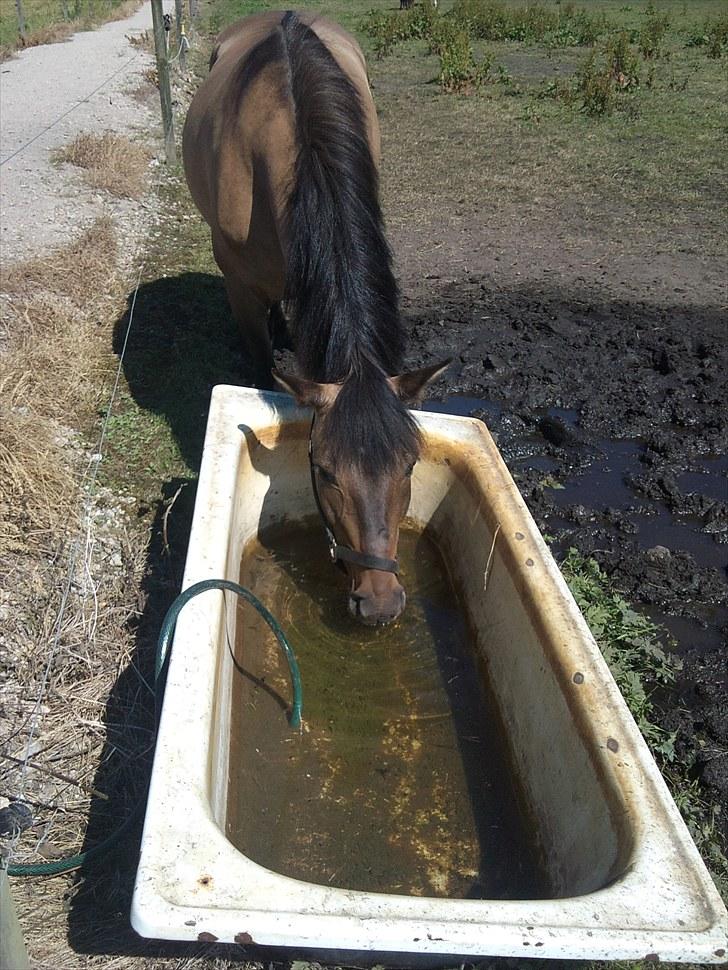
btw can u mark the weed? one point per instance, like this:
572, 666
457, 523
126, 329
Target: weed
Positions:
458, 70
605, 76
445, 37
567, 26
388, 30
713, 35
650, 37
630, 644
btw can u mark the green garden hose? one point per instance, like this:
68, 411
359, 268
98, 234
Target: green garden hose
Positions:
165, 638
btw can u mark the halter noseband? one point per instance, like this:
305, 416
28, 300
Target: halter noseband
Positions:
341, 554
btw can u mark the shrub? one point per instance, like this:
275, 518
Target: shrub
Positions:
458, 69
713, 35
605, 76
445, 36
565, 27
388, 30
652, 33
630, 644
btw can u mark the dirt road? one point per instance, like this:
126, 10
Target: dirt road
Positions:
48, 95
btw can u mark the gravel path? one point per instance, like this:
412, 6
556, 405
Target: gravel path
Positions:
49, 94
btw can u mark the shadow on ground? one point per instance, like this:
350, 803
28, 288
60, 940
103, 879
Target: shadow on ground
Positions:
182, 342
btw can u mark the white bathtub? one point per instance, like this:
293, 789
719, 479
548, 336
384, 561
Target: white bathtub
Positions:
627, 879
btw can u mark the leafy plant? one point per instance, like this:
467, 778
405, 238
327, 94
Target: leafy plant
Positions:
388, 30
445, 36
652, 33
531, 24
458, 69
713, 34
605, 76
630, 644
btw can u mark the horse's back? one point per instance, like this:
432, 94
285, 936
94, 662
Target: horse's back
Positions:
239, 142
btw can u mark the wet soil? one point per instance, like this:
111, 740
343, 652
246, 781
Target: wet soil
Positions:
605, 384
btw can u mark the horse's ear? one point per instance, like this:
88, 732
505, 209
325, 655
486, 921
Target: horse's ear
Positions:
308, 394
411, 387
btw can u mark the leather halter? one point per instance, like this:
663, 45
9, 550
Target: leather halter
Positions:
341, 554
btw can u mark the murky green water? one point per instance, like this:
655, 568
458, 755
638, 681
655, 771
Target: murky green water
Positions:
398, 781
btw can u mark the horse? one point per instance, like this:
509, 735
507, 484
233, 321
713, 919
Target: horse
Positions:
281, 151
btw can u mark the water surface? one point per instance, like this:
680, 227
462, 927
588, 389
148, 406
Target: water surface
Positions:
399, 781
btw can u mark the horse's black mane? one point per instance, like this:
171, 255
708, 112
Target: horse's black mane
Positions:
339, 279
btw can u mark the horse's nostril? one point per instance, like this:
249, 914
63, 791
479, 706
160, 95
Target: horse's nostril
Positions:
373, 611
355, 605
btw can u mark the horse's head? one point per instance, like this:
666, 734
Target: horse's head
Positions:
364, 446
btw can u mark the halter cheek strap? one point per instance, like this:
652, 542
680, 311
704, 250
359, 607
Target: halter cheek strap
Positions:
341, 554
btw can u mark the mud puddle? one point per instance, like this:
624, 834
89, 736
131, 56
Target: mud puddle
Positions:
399, 782
604, 495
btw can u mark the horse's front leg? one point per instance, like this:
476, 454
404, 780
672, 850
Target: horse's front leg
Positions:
252, 315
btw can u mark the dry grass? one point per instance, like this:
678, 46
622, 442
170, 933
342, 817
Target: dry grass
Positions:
111, 162
51, 376
59, 667
94, 723
76, 708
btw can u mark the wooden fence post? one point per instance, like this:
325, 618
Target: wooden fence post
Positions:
165, 91
21, 18
194, 10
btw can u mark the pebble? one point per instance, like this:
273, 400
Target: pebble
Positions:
658, 554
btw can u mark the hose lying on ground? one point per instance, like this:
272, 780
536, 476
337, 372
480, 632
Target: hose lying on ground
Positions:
163, 643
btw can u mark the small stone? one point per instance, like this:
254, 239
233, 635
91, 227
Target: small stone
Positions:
659, 554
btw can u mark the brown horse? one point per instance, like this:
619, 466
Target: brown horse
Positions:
281, 148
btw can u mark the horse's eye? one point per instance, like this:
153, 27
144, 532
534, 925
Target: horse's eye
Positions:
326, 476
409, 470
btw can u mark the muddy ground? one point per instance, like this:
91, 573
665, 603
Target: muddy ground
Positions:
617, 390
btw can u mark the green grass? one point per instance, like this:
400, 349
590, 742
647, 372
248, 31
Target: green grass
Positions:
182, 342
46, 18
654, 165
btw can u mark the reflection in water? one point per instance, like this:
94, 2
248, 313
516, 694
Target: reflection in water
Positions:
398, 781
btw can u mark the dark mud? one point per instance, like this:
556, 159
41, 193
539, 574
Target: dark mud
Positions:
611, 414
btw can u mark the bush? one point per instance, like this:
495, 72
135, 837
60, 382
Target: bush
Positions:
630, 644
445, 36
567, 26
652, 33
604, 77
713, 35
458, 70
388, 30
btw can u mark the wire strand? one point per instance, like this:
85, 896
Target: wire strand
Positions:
73, 107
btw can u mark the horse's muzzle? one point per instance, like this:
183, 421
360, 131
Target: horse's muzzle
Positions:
374, 610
